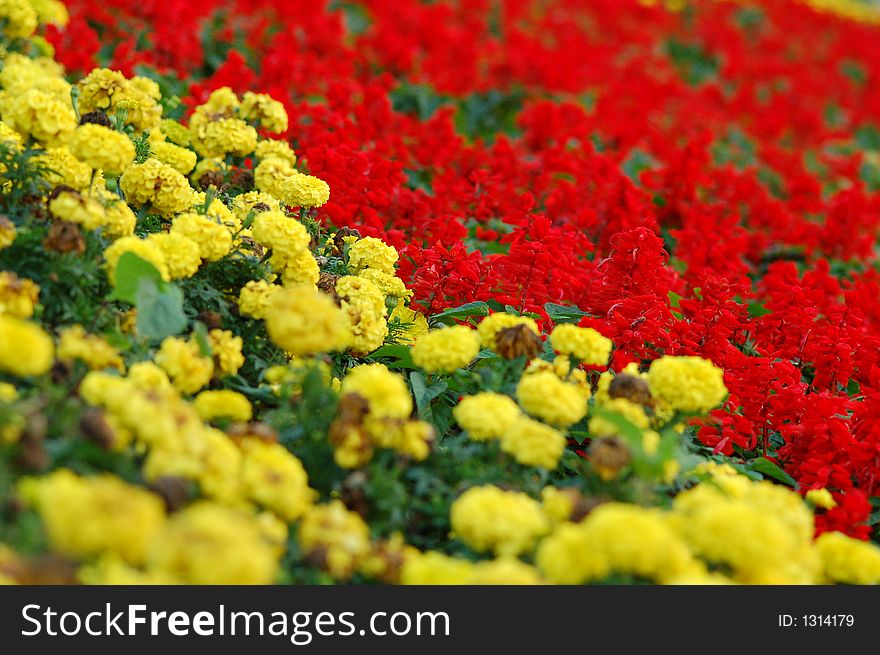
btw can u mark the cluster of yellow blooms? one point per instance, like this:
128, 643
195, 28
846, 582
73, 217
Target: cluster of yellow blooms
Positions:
726, 530
857, 10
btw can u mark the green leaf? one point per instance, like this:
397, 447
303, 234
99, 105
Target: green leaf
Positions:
757, 310
200, 332
766, 467
130, 271
563, 314
449, 316
425, 394
160, 310
398, 354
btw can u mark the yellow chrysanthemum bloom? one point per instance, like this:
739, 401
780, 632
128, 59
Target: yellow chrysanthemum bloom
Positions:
432, 568
159, 185
533, 444
86, 516
262, 108
60, 167
224, 403
25, 349
687, 384
18, 17
276, 479
505, 522
213, 239
306, 191
208, 543
548, 398
255, 297
188, 369
272, 148
226, 350
370, 252
18, 296
180, 159
586, 344
304, 321
75, 344
446, 349
365, 307
847, 560
339, 535
7, 232
182, 255
486, 415
101, 148
386, 392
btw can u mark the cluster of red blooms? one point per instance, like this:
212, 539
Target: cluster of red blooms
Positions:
700, 182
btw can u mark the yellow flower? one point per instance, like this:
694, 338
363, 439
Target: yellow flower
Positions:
285, 235
110, 570
75, 344
847, 560
272, 148
182, 255
338, 537
504, 571
412, 324
18, 18
821, 498
545, 396
584, 343
389, 285
208, 543
486, 415
270, 175
18, 296
86, 516
446, 349
688, 384
147, 250
254, 298
158, 184
533, 444
226, 350
212, 405
300, 190
490, 326
213, 239
276, 479
182, 360
432, 568
180, 159
365, 306
505, 522
300, 269
221, 137
386, 392
101, 148
175, 133
25, 350
74, 208
304, 321
262, 108
370, 252
60, 167
7, 232
615, 538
